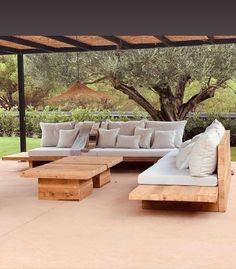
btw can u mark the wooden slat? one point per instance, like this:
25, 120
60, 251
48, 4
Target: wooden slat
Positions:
175, 193
108, 161
186, 206
66, 171
46, 41
224, 36
62, 189
176, 38
22, 156
140, 159
13, 45
142, 39
92, 40
102, 179
224, 170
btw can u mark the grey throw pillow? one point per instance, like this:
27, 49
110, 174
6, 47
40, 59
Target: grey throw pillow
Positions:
164, 139
107, 138
145, 137
67, 138
50, 132
127, 141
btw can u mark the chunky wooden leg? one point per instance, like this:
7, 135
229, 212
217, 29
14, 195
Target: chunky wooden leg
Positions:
102, 179
64, 189
188, 206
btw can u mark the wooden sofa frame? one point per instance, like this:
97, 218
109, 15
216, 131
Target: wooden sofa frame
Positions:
191, 197
91, 143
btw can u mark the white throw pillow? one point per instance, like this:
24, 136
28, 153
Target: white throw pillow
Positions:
50, 132
182, 158
177, 126
185, 143
126, 128
128, 141
145, 137
196, 137
67, 138
164, 139
219, 128
203, 157
107, 138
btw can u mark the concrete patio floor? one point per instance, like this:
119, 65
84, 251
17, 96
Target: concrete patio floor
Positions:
106, 230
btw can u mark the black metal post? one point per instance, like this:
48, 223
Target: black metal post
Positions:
21, 88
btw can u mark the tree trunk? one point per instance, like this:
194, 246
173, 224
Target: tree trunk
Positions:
172, 104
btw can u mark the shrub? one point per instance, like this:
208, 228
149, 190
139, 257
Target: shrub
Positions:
196, 125
9, 120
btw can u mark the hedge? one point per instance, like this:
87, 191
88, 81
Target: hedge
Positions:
9, 121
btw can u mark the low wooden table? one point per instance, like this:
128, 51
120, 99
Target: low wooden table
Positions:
72, 178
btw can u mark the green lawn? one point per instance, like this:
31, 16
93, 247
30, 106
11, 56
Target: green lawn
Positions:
9, 145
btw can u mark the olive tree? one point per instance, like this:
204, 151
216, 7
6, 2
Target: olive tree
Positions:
167, 72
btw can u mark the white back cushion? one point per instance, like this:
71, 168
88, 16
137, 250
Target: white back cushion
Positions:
145, 137
126, 128
107, 138
164, 139
127, 141
177, 126
50, 132
203, 156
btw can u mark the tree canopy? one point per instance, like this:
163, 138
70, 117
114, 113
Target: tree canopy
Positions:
167, 82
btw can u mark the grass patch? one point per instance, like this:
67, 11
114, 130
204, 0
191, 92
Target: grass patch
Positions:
233, 154
10, 145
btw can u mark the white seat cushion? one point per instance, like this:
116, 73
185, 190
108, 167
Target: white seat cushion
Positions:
50, 151
128, 152
165, 172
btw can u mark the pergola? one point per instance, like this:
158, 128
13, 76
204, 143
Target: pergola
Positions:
20, 45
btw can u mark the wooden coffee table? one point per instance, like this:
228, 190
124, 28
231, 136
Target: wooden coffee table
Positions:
72, 178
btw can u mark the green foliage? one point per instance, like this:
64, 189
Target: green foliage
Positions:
9, 120
196, 125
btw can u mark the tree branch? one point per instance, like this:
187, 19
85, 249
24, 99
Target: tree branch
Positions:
95, 81
134, 95
203, 95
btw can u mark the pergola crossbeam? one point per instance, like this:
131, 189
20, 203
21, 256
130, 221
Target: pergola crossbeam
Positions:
121, 43
8, 50
78, 44
164, 40
34, 45
211, 39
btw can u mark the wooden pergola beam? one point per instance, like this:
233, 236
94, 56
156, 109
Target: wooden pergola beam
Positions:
211, 39
121, 43
8, 50
82, 46
29, 43
164, 40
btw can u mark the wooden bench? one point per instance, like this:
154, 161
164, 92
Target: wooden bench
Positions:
35, 161
191, 197
32, 160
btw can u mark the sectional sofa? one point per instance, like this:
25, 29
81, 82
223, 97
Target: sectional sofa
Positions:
134, 140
